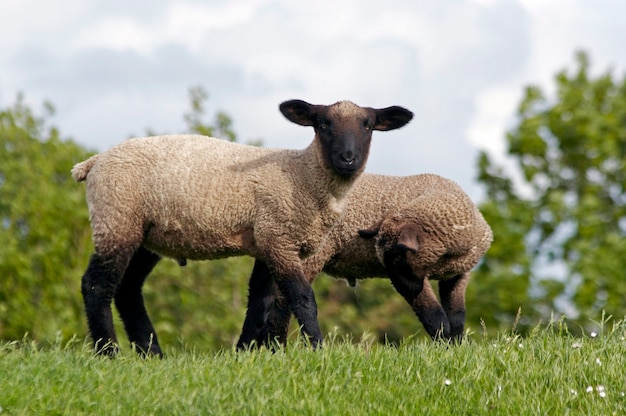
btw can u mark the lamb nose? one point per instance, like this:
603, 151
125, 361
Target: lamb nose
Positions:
348, 158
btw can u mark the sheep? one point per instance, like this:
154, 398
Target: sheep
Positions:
200, 198
412, 229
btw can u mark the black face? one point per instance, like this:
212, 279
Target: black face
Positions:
345, 141
344, 129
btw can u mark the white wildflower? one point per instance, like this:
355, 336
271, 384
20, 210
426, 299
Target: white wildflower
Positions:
577, 345
447, 382
599, 389
598, 361
593, 334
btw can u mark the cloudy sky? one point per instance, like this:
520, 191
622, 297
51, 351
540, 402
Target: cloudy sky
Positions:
113, 68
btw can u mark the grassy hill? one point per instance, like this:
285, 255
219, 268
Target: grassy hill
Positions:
548, 372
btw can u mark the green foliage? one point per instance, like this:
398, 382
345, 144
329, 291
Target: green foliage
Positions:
44, 227
222, 126
548, 372
371, 307
560, 232
202, 304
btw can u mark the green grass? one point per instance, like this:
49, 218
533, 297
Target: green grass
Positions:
548, 372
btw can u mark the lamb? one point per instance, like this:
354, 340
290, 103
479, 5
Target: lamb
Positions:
199, 198
412, 229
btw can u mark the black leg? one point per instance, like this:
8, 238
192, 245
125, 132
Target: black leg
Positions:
452, 294
260, 300
298, 295
431, 314
99, 284
130, 304
300, 299
276, 328
417, 291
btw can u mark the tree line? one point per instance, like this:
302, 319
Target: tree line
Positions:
557, 208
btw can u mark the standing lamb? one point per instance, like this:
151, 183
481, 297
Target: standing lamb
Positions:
194, 197
412, 229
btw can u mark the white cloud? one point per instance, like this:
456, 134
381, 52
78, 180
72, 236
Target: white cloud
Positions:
184, 23
117, 34
192, 17
36, 22
495, 109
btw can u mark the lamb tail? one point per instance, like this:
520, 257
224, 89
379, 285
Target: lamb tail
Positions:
80, 170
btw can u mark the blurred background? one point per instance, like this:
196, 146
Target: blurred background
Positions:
523, 103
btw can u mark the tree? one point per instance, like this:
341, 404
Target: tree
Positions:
559, 219
222, 125
43, 227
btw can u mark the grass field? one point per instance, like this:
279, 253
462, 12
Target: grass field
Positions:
548, 372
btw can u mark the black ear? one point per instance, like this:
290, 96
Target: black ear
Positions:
299, 112
407, 240
370, 233
392, 118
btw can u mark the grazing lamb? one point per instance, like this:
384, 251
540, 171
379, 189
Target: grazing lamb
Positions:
195, 197
412, 229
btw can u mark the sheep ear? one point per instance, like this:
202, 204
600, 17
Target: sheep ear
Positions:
407, 240
299, 112
391, 118
371, 232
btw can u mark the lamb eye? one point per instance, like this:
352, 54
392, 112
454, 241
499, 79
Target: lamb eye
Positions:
367, 126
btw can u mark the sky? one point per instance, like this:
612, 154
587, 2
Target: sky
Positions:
113, 69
